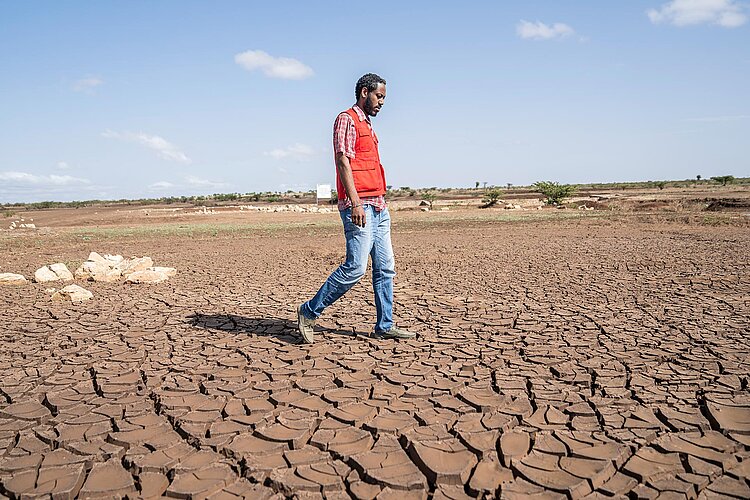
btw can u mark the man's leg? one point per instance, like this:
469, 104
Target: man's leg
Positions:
383, 271
358, 244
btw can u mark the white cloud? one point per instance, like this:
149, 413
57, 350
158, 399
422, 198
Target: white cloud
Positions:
298, 152
274, 67
18, 187
87, 84
27, 179
160, 186
164, 149
725, 13
63, 165
194, 181
540, 31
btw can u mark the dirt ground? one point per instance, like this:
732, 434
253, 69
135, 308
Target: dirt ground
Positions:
560, 354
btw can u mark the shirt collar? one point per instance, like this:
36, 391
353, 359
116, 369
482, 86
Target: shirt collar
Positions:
360, 113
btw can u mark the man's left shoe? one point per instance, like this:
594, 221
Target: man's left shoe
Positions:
398, 333
305, 327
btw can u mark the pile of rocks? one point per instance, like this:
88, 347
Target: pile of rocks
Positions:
107, 268
288, 208
22, 224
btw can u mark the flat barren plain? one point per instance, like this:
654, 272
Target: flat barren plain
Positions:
560, 354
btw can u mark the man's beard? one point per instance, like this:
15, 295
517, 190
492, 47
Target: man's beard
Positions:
369, 108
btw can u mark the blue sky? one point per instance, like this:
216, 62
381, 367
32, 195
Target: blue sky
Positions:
157, 98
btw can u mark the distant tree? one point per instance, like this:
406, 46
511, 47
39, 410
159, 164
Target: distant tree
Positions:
554, 191
510, 185
491, 197
723, 179
484, 184
660, 184
698, 177
429, 198
476, 184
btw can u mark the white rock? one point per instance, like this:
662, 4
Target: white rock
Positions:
73, 293
114, 259
62, 271
12, 279
45, 275
97, 271
95, 257
169, 271
128, 266
147, 276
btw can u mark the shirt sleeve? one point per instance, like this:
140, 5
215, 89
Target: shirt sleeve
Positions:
344, 135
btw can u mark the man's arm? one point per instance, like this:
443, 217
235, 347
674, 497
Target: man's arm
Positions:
344, 169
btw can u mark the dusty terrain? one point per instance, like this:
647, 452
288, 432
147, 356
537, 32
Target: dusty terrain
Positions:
561, 353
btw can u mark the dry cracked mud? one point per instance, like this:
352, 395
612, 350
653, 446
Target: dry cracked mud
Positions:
555, 359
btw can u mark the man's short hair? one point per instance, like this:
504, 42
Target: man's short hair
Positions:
370, 81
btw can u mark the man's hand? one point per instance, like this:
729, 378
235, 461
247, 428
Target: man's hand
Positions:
358, 215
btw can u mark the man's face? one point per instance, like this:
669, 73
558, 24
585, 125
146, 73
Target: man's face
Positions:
374, 100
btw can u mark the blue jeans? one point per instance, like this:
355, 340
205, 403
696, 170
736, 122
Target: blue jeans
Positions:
374, 240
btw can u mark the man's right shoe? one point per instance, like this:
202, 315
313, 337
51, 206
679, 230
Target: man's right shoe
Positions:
398, 333
305, 327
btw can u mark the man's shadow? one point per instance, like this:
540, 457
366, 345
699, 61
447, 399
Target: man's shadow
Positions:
282, 329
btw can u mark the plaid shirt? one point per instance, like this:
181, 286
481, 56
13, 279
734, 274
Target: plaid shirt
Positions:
344, 136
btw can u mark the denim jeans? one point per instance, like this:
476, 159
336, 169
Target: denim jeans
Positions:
373, 240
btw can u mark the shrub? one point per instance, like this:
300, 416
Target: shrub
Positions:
554, 191
723, 179
429, 198
491, 197
660, 184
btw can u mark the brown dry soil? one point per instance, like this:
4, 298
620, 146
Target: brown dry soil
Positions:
559, 355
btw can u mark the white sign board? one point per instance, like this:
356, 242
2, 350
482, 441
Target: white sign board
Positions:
324, 191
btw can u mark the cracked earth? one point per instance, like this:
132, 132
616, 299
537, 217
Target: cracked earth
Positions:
555, 359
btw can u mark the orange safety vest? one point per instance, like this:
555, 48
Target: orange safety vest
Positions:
368, 173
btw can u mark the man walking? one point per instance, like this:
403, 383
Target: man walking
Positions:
360, 184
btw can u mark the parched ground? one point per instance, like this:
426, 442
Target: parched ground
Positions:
558, 356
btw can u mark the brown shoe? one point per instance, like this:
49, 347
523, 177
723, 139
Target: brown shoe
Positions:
305, 327
398, 333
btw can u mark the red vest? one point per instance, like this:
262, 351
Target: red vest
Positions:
369, 177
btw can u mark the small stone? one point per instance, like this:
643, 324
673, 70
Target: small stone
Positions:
74, 293
45, 275
146, 276
12, 279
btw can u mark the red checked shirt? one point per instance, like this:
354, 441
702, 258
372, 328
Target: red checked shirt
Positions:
344, 135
